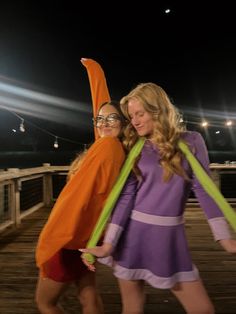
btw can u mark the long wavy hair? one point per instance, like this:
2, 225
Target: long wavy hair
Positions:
76, 163
168, 127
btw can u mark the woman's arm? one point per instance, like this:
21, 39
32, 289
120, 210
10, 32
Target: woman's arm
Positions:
120, 218
216, 219
98, 85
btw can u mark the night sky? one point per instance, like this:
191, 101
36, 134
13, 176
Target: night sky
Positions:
190, 52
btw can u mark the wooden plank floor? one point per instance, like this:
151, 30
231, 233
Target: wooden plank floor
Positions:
18, 273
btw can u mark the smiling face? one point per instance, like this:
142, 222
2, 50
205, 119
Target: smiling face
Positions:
141, 119
108, 121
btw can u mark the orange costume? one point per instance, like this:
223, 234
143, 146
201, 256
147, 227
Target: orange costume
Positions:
80, 203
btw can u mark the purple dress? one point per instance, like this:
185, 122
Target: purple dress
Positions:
147, 225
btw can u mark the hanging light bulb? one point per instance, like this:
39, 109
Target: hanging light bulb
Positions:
22, 127
204, 123
229, 123
56, 143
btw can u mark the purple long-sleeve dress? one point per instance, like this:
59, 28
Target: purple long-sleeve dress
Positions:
147, 225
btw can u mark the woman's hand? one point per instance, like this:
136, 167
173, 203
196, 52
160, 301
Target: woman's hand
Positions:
98, 251
229, 245
83, 60
90, 267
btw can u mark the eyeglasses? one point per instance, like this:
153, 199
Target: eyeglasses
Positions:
112, 119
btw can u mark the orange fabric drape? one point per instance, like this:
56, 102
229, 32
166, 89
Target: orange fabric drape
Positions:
78, 206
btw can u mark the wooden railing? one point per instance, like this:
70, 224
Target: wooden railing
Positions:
224, 176
23, 191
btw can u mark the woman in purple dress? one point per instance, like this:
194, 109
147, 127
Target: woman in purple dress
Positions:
145, 240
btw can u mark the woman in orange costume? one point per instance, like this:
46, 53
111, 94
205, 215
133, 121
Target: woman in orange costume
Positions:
78, 207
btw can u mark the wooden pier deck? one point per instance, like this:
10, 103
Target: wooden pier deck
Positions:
18, 273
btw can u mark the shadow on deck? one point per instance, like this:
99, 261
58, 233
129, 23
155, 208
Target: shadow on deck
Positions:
18, 274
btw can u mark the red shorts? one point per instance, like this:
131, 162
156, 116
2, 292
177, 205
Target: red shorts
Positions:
66, 265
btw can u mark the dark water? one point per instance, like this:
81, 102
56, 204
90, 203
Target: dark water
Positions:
222, 156
28, 159
35, 159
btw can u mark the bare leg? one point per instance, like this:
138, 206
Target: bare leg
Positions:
88, 295
48, 293
193, 297
133, 297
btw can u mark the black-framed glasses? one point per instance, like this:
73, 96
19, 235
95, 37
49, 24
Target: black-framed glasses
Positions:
112, 120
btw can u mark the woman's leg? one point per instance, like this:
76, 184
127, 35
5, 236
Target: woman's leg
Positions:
133, 297
88, 295
48, 293
193, 297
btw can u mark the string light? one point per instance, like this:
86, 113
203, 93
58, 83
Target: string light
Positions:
22, 127
204, 123
228, 123
56, 145
56, 137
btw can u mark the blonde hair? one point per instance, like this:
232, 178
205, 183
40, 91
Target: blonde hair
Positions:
75, 164
167, 126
